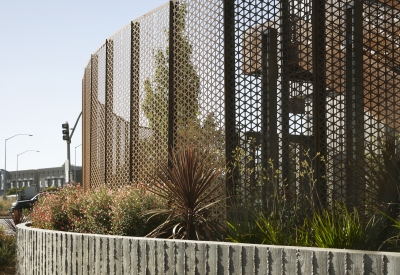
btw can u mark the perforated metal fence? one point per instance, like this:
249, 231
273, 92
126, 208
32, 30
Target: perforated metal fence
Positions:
300, 93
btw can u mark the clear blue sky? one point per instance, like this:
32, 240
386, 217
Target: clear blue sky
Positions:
45, 45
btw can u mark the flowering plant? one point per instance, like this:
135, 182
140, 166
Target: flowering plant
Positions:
100, 211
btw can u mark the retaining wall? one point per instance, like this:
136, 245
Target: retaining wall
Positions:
53, 252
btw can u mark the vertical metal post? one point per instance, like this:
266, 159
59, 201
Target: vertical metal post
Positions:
319, 99
86, 130
93, 96
16, 177
134, 101
75, 162
69, 159
354, 100
109, 114
269, 131
229, 81
84, 133
171, 92
285, 88
5, 170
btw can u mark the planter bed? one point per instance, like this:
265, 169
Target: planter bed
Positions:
56, 252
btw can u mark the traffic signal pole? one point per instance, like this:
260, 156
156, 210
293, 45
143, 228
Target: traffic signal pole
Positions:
69, 159
67, 137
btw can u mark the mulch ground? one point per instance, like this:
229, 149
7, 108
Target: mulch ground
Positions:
8, 270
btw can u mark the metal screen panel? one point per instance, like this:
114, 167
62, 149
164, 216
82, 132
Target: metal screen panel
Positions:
118, 106
97, 145
271, 87
261, 99
153, 93
330, 68
198, 117
198, 74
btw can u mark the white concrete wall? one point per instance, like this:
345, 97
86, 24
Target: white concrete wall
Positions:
45, 252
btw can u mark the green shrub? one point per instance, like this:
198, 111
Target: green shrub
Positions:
99, 211
11, 191
342, 228
8, 248
14, 190
291, 218
50, 212
51, 189
5, 205
243, 229
128, 209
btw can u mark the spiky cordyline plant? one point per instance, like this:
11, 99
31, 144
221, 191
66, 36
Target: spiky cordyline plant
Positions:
190, 185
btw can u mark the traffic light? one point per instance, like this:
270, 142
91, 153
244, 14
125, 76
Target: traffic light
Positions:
65, 131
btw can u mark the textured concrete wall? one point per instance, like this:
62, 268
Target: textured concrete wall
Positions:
45, 252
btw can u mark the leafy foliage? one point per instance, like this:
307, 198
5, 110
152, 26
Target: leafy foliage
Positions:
191, 188
380, 172
99, 211
51, 189
14, 190
8, 249
187, 85
241, 226
286, 218
267, 212
342, 228
5, 206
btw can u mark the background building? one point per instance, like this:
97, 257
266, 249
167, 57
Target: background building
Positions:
41, 178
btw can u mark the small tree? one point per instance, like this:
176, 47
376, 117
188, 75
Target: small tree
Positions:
187, 84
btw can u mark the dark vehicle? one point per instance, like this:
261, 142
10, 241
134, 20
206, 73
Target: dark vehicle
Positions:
24, 204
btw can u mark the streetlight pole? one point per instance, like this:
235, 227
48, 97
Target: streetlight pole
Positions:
16, 173
5, 162
75, 162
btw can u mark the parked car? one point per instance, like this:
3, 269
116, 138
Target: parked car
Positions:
24, 204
